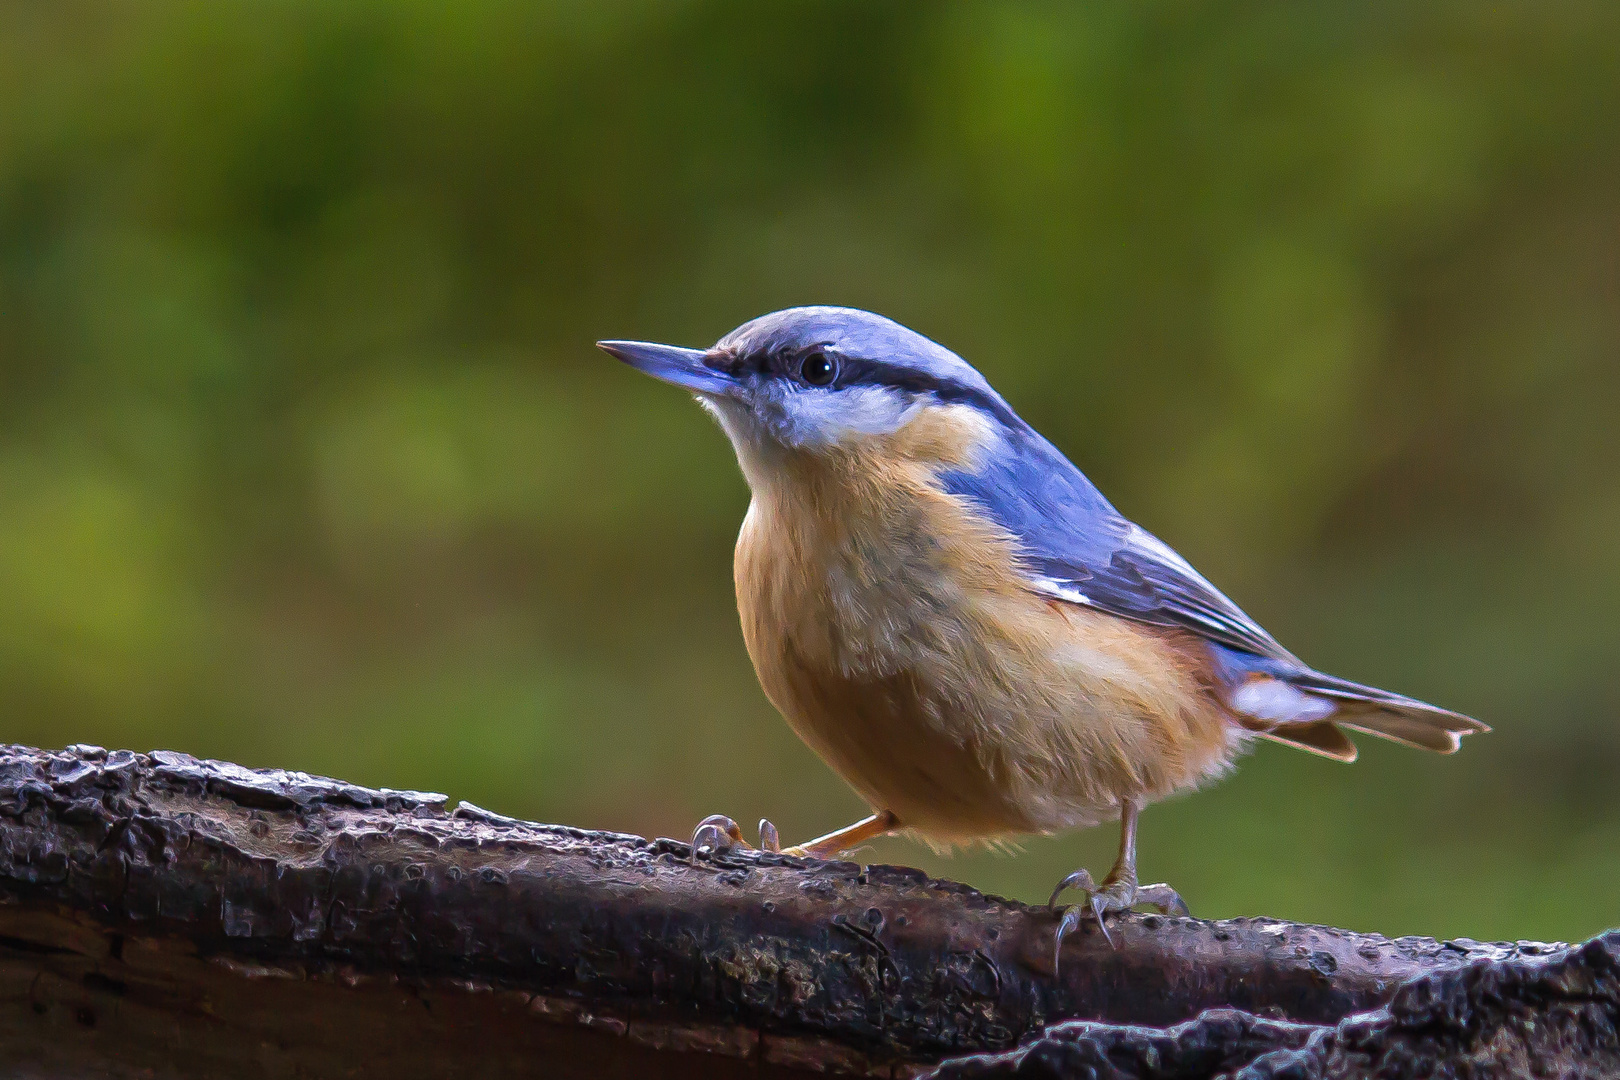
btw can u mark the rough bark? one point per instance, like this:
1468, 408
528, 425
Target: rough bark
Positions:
163, 916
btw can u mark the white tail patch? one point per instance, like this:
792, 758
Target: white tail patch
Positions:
1276, 702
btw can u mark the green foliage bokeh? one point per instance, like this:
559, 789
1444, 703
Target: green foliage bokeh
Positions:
306, 459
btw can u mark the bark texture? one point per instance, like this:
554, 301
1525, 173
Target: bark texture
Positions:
162, 916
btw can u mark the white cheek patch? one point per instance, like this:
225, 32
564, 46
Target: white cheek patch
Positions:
828, 416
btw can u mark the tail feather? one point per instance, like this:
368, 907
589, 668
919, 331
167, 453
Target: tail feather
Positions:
1390, 716
1308, 710
1323, 739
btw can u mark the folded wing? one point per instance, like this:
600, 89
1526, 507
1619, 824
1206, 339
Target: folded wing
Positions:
1077, 548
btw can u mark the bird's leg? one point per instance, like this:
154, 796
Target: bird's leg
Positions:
1119, 890
717, 833
851, 836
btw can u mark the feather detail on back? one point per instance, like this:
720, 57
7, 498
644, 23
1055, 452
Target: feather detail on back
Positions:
1075, 546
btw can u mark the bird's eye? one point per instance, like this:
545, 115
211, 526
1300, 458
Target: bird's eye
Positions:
818, 369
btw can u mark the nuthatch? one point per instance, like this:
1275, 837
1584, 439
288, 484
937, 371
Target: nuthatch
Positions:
951, 615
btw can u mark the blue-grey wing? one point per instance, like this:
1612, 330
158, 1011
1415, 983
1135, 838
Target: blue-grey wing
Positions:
1078, 548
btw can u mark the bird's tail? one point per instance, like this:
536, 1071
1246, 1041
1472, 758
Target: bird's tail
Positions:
1390, 716
1310, 711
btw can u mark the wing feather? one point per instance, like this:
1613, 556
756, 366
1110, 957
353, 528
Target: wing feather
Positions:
1078, 548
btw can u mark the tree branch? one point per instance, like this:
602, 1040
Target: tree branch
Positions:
162, 915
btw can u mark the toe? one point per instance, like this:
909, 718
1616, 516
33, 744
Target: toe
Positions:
1115, 895
1080, 879
1100, 906
1068, 924
714, 834
1163, 898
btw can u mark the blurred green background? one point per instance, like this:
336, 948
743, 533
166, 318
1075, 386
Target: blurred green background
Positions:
306, 459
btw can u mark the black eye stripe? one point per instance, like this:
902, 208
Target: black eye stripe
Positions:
857, 371
947, 391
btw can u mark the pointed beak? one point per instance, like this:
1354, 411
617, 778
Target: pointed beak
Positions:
672, 364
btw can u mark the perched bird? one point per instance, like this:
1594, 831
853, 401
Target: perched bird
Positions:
950, 614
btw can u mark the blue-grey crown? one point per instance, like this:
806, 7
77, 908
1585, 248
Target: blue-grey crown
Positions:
873, 350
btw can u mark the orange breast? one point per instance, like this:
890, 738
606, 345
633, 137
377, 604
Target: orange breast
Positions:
889, 623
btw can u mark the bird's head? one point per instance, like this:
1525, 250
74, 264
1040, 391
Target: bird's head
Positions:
830, 380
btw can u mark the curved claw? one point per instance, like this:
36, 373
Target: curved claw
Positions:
769, 840
1112, 895
1164, 898
1098, 900
1080, 879
1066, 926
1100, 904
714, 834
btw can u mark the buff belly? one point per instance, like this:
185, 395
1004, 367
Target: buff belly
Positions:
887, 624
